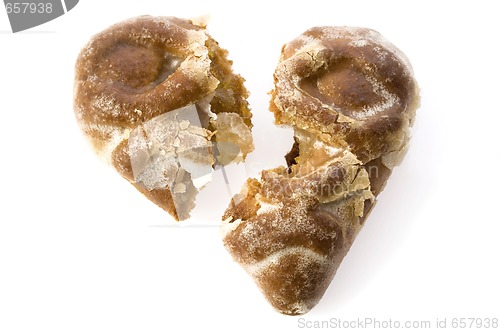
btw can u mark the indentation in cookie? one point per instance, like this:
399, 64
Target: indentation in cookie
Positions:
344, 85
138, 67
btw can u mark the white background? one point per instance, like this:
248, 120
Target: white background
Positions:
81, 250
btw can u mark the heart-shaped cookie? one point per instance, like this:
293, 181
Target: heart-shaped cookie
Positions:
158, 101
350, 97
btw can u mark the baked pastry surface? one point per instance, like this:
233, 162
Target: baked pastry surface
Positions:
159, 102
351, 97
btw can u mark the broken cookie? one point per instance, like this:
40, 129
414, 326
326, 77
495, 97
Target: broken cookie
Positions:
158, 100
351, 97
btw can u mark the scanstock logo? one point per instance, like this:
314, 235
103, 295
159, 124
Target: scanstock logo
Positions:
26, 14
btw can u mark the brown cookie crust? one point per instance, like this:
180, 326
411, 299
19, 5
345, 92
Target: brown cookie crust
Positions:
133, 73
351, 97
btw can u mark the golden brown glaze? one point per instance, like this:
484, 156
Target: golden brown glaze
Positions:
351, 97
128, 77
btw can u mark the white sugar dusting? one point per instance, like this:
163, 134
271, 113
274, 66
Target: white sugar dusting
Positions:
390, 48
274, 258
106, 104
266, 207
361, 37
389, 101
359, 42
307, 40
229, 225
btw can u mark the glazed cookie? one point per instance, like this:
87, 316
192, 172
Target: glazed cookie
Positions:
159, 102
351, 97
